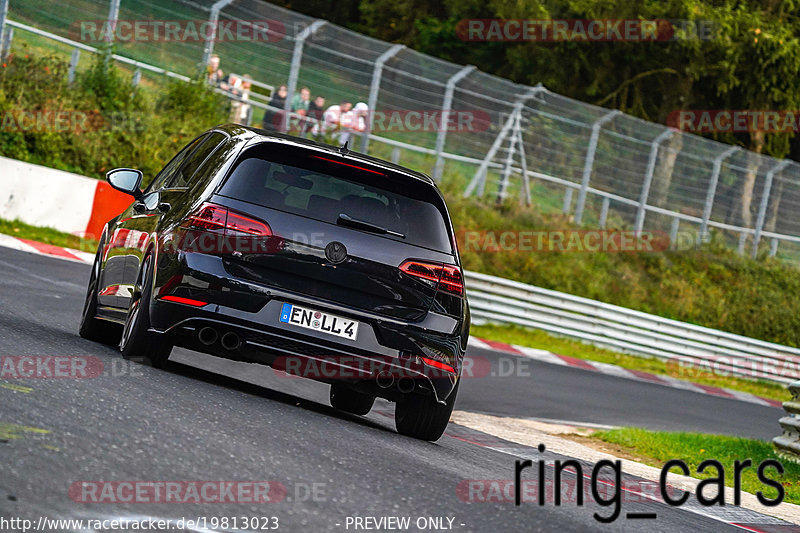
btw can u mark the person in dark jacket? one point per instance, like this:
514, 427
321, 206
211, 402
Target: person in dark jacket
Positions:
273, 117
314, 117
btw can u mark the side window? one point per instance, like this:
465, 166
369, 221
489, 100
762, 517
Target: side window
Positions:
183, 177
168, 171
212, 165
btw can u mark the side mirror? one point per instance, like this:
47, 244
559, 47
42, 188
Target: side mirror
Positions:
126, 180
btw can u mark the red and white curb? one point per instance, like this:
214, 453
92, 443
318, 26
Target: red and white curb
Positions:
614, 370
523, 351
40, 248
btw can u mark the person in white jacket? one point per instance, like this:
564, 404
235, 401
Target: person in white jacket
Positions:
331, 118
353, 122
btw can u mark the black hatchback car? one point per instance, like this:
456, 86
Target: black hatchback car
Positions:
312, 259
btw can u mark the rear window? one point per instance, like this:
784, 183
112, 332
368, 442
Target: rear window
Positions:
321, 189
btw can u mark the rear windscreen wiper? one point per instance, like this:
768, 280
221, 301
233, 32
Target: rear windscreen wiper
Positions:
347, 220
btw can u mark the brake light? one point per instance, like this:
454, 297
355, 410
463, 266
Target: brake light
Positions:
216, 218
446, 277
348, 165
208, 217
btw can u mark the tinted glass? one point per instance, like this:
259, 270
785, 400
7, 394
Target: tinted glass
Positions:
183, 177
168, 171
212, 165
324, 191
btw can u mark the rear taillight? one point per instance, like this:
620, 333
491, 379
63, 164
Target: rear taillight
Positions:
446, 277
216, 218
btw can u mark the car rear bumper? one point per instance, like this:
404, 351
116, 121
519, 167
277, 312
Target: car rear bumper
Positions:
385, 360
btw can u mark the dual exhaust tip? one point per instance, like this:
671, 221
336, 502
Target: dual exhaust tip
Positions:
385, 380
229, 340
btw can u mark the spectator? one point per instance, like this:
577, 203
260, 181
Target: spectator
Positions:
301, 102
214, 75
240, 109
316, 109
353, 121
333, 115
273, 117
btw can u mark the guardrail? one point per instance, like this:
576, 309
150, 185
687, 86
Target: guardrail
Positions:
788, 444
499, 300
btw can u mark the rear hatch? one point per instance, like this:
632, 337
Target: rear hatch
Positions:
389, 244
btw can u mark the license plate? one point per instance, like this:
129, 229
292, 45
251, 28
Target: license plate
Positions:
319, 321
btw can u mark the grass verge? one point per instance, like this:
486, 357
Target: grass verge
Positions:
542, 340
656, 448
22, 230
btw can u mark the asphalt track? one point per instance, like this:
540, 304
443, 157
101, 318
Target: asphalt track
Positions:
211, 419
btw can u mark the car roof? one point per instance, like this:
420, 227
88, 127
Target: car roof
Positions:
237, 130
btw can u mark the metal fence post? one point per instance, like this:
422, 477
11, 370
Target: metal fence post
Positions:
374, 87
3, 17
589, 163
294, 70
742, 241
673, 231
603, 211
762, 208
773, 247
113, 16
566, 206
73, 64
213, 21
712, 190
648, 178
6, 46
446, 104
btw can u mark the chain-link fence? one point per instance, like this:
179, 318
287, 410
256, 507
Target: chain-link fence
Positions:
603, 167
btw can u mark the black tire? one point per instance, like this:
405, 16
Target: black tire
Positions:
350, 401
137, 342
92, 328
422, 417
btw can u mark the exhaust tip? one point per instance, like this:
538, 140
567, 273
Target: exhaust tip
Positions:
405, 385
384, 380
207, 336
230, 341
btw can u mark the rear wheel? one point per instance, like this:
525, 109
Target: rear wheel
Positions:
137, 342
350, 401
422, 417
92, 328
